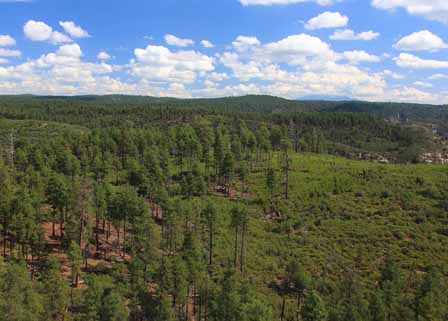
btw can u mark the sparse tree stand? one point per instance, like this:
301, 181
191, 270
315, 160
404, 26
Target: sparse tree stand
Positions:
100, 204
6, 196
285, 162
57, 197
210, 216
243, 172
227, 172
239, 223
243, 237
271, 182
75, 258
296, 281
12, 150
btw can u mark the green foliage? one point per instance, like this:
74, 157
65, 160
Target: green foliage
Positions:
186, 186
314, 308
102, 301
19, 297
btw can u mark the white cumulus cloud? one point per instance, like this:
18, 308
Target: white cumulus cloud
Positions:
7, 40
422, 40
37, 30
390, 74
72, 50
436, 10
40, 31
348, 34
358, 56
73, 30
243, 43
301, 49
103, 55
438, 76
58, 37
327, 19
423, 84
9, 53
207, 44
178, 42
405, 60
159, 64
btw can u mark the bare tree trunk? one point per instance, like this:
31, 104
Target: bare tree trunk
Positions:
61, 226
188, 299
97, 227
299, 306
243, 232
5, 233
283, 309
52, 224
124, 237
118, 238
236, 247
76, 280
86, 256
211, 244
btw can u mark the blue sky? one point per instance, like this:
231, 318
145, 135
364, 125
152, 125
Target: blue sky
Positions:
377, 50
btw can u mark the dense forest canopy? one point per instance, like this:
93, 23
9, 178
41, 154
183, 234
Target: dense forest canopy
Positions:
242, 208
349, 128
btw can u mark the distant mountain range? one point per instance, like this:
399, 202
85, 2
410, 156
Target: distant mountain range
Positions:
401, 112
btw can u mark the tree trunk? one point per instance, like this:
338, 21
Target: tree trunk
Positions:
206, 304
211, 245
118, 238
86, 256
76, 280
188, 299
283, 309
243, 232
236, 247
5, 233
81, 227
200, 308
124, 236
299, 306
97, 227
53, 234
61, 226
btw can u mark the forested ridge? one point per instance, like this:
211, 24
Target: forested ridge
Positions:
145, 209
351, 130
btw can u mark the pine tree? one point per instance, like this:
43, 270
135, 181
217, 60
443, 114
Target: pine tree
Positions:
57, 194
298, 282
391, 285
271, 182
314, 308
431, 301
75, 258
19, 298
227, 171
239, 222
54, 290
210, 216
